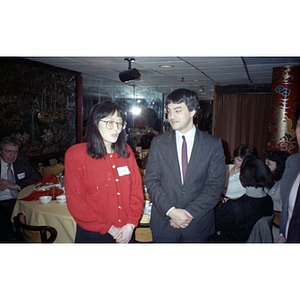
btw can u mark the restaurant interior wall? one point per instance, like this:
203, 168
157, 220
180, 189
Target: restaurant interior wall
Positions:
29, 90
242, 119
144, 107
38, 105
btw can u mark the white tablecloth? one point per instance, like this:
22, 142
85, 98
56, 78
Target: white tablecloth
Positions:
52, 214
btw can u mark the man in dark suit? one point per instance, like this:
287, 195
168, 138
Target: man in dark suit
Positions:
183, 201
16, 173
289, 226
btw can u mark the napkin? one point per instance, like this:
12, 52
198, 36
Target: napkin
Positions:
48, 178
35, 195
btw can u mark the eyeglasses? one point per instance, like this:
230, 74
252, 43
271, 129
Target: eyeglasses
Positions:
111, 124
11, 151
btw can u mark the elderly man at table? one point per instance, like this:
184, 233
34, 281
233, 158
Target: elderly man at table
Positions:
16, 173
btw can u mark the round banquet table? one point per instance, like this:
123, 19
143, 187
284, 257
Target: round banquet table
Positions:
52, 214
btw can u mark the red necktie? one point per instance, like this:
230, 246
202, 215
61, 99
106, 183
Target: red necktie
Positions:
184, 157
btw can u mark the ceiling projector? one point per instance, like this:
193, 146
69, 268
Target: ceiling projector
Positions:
130, 74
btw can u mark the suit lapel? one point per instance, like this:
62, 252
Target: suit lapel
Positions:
293, 173
172, 155
196, 156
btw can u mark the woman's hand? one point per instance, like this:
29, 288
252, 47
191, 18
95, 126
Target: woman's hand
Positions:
124, 234
113, 231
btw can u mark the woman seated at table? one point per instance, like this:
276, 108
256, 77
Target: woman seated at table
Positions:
102, 180
275, 160
236, 218
233, 188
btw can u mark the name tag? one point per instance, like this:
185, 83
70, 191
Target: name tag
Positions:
21, 176
123, 171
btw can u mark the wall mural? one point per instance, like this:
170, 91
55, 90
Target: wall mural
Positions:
38, 105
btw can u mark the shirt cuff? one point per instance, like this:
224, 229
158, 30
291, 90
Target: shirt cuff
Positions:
167, 213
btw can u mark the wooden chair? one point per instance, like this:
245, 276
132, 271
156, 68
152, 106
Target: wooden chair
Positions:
276, 219
143, 235
49, 170
33, 234
142, 172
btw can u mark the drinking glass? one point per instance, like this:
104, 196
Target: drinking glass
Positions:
53, 192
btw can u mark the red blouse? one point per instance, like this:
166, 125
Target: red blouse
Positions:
102, 192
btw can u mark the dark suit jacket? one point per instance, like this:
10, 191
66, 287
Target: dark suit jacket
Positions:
291, 171
25, 174
204, 182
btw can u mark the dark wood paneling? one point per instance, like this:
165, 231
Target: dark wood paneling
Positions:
242, 119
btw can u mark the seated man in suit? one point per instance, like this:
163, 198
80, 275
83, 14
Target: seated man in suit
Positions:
16, 173
185, 175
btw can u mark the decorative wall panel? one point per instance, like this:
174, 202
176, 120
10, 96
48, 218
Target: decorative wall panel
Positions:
285, 100
38, 105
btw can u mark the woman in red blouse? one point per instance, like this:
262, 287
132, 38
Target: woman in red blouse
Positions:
102, 180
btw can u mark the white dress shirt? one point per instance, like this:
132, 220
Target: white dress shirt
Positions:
189, 137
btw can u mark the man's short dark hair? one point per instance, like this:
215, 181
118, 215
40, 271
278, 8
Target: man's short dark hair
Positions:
254, 172
189, 97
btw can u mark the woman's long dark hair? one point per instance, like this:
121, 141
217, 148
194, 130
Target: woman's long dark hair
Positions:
279, 157
244, 151
95, 146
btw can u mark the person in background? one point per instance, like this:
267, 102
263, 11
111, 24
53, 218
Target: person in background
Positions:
275, 160
236, 218
102, 180
289, 226
16, 173
184, 189
233, 188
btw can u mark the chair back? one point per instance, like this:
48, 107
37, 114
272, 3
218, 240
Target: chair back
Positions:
49, 170
143, 235
262, 231
33, 234
276, 219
